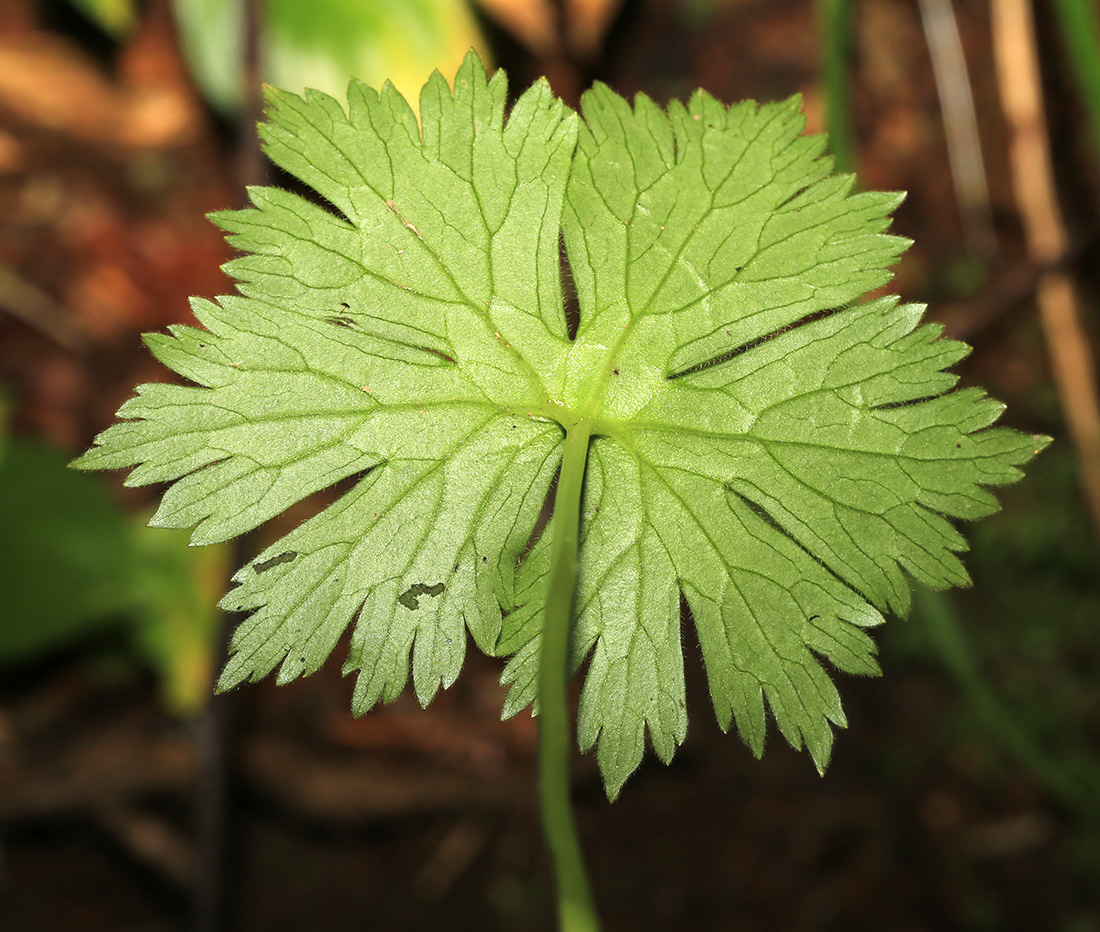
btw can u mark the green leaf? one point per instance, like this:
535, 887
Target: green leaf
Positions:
766, 448
75, 567
117, 18
176, 626
66, 555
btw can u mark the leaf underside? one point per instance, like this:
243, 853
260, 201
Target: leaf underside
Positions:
765, 447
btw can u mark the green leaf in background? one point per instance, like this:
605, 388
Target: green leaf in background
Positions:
763, 446
319, 44
65, 554
74, 566
114, 17
176, 623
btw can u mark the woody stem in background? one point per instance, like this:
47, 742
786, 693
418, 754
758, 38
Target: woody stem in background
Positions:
1033, 181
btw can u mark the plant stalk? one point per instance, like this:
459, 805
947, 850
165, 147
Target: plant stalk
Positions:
834, 17
576, 911
938, 613
1078, 22
1062, 311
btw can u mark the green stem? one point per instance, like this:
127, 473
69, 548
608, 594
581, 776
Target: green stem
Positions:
835, 25
576, 912
936, 610
1077, 19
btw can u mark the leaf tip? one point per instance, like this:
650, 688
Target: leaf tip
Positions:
232, 676
472, 59
794, 102
821, 750
893, 200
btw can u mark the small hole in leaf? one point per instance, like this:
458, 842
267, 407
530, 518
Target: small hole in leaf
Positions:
287, 556
410, 598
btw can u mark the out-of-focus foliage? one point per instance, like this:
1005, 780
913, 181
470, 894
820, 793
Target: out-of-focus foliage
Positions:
65, 553
114, 17
74, 566
1029, 628
1078, 19
175, 623
321, 44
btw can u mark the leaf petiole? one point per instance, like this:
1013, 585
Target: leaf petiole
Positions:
576, 912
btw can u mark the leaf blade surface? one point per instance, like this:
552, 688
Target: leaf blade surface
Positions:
768, 450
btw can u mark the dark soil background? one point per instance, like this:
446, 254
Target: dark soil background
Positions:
935, 813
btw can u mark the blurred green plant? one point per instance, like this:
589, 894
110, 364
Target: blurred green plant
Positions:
1078, 22
834, 19
1061, 777
1029, 686
115, 17
74, 567
320, 44
316, 45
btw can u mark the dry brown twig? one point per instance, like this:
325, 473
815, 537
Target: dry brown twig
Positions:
960, 125
1033, 181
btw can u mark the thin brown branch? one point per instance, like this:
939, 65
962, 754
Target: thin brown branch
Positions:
960, 124
1036, 196
38, 310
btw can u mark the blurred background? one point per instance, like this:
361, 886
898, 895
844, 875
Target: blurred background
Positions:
965, 794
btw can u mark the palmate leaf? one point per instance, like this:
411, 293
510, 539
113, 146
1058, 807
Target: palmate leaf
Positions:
764, 446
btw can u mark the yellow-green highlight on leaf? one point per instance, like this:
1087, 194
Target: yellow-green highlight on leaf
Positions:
766, 446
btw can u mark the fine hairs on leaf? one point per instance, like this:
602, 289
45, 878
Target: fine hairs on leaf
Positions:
739, 428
